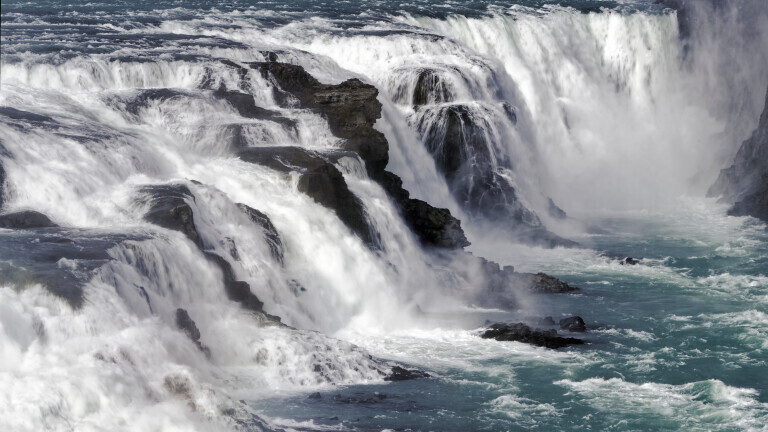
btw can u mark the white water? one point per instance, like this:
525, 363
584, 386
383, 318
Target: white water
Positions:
601, 100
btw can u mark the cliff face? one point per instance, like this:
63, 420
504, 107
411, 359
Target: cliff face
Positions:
745, 183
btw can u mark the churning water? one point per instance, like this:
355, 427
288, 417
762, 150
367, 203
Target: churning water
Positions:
621, 111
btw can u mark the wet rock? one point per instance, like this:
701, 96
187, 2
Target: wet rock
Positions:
629, 261
146, 97
434, 227
745, 183
185, 323
320, 180
351, 108
237, 291
541, 283
431, 88
546, 321
554, 211
315, 395
522, 333
273, 237
574, 324
169, 208
2, 185
402, 374
25, 220
246, 107
32, 257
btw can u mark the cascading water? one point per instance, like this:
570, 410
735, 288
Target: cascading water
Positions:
193, 276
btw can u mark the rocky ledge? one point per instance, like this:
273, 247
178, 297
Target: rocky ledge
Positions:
351, 109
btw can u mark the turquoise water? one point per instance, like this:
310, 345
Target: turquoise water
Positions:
678, 342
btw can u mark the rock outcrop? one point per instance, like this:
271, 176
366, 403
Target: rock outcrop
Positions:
185, 323
402, 374
273, 237
169, 208
321, 180
351, 109
522, 333
745, 183
25, 220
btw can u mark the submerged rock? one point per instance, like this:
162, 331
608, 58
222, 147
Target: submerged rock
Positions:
169, 208
629, 261
522, 333
403, 374
25, 220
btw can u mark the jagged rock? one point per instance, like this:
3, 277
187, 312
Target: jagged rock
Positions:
273, 237
522, 333
435, 227
188, 326
25, 220
745, 183
169, 208
402, 374
554, 211
351, 109
574, 324
321, 180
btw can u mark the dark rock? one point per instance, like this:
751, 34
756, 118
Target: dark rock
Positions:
434, 227
351, 109
745, 183
34, 257
2, 185
246, 106
511, 113
402, 374
25, 220
237, 291
315, 395
431, 88
273, 237
554, 211
188, 326
169, 208
574, 324
320, 180
629, 261
16, 114
522, 333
